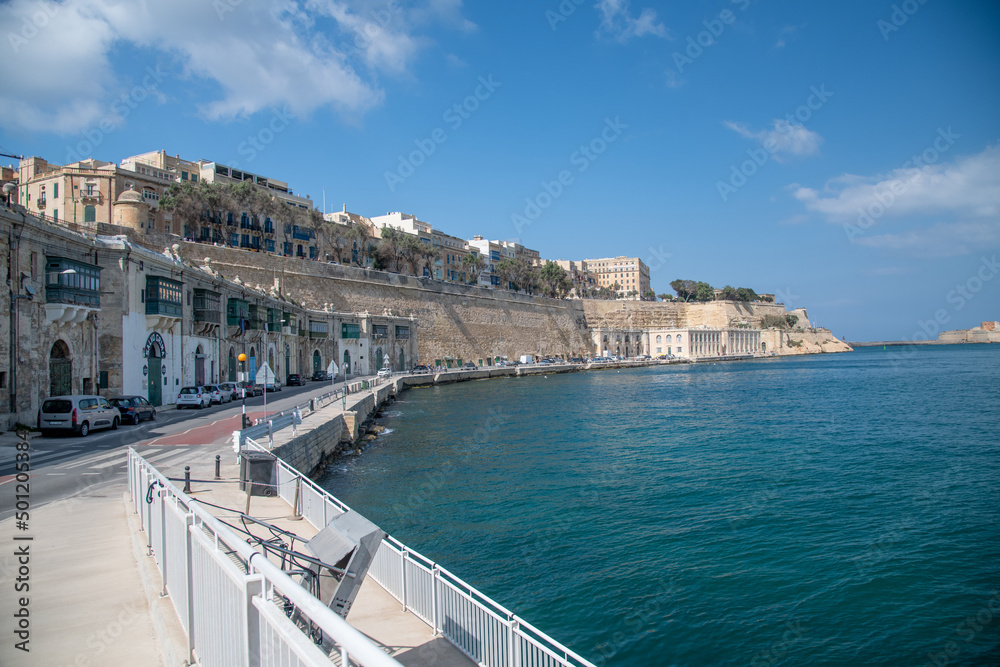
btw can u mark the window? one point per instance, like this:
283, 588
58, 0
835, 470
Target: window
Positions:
350, 330
402, 332
89, 213
55, 190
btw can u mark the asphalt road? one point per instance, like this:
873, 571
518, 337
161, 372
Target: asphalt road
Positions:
64, 466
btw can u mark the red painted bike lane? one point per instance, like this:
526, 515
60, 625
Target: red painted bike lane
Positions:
208, 434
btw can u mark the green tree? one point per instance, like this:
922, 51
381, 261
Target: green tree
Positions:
704, 292
649, 295
554, 280
729, 294
746, 294
666, 297
474, 264
685, 289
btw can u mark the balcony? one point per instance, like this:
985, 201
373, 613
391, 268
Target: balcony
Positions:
90, 195
207, 306
72, 290
164, 305
40, 202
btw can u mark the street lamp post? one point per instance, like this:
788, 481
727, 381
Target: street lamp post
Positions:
243, 374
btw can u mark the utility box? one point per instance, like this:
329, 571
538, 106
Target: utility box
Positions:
258, 470
347, 546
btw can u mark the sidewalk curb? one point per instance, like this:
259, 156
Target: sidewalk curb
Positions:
173, 653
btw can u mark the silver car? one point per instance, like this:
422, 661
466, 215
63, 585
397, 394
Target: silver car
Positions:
218, 394
194, 397
77, 414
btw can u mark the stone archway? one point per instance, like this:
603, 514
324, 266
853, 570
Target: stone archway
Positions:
60, 370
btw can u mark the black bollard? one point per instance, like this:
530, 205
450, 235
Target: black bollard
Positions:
187, 479
218, 462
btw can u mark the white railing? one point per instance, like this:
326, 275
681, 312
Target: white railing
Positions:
236, 606
484, 630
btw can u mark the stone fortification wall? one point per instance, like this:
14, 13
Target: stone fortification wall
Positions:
453, 320
715, 314
977, 335
797, 341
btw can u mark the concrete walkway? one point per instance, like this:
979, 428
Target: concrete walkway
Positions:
87, 599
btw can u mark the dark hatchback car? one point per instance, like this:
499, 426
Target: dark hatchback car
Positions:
321, 376
294, 380
133, 409
251, 388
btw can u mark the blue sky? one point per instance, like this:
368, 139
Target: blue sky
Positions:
844, 155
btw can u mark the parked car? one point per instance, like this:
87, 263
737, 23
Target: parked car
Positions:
274, 385
218, 394
234, 391
384, 373
133, 408
469, 365
251, 388
77, 414
193, 397
420, 369
321, 376
294, 380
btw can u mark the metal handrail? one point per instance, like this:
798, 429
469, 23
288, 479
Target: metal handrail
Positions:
518, 625
358, 646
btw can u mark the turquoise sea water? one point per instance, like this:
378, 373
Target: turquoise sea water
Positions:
833, 509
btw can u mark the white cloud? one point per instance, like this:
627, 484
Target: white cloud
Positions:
944, 239
783, 138
964, 192
617, 21
255, 54
969, 186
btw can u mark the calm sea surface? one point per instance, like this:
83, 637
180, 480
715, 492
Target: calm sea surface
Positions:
833, 509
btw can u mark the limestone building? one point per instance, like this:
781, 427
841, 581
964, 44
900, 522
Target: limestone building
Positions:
704, 342
91, 313
629, 273
84, 193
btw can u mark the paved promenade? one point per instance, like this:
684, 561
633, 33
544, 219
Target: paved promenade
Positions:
93, 595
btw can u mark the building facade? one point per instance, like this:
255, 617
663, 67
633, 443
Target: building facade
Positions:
104, 314
704, 343
630, 274
83, 194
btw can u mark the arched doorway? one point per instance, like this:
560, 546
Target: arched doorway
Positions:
232, 365
60, 370
379, 358
402, 360
288, 359
153, 377
317, 361
199, 366
347, 363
